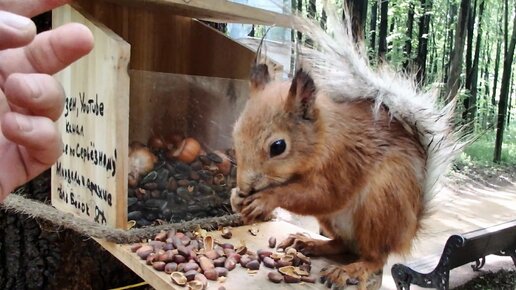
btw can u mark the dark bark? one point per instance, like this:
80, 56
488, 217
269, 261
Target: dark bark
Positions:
408, 35
504, 90
424, 28
486, 112
453, 83
299, 7
496, 68
448, 44
470, 104
310, 11
358, 10
373, 26
382, 36
324, 18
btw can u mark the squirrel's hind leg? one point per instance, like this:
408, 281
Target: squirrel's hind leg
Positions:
339, 276
313, 247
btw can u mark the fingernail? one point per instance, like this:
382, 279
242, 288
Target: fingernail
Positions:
24, 123
15, 21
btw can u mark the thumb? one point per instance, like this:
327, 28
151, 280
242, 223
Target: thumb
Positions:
15, 30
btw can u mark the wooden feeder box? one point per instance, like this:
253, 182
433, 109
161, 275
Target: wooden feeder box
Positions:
154, 70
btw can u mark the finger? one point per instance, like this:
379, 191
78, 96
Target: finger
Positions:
30, 7
49, 52
35, 94
15, 30
38, 135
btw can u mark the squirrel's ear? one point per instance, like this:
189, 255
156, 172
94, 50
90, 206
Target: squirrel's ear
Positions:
301, 96
259, 76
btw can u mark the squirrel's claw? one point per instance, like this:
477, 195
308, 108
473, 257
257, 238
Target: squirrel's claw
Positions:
255, 208
340, 277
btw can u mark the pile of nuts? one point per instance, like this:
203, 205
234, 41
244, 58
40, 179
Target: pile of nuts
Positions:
174, 179
191, 259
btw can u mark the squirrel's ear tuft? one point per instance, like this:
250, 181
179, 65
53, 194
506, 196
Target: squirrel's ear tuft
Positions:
301, 96
259, 76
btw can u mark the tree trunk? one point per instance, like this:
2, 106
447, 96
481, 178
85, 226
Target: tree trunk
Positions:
422, 50
485, 76
496, 68
408, 35
324, 18
310, 12
504, 90
471, 108
384, 24
372, 28
299, 7
358, 10
448, 44
453, 83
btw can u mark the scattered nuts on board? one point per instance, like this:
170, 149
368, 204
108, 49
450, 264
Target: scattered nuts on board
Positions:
191, 259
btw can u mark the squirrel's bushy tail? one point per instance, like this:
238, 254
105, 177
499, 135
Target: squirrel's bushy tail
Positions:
340, 68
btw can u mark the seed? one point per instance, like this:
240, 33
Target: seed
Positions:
272, 242
144, 251
190, 275
275, 277
170, 267
230, 263
191, 266
211, 274
205, 263
219, 262
269, 262
179, 259
221, 271
253, 265
262, 253
291, 279
159, 266
135, 247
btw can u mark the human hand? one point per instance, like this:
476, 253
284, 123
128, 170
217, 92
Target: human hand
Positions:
30, 98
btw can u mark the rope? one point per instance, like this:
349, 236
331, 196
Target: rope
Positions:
35, 209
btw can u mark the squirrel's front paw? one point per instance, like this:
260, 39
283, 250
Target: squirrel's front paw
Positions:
256, 207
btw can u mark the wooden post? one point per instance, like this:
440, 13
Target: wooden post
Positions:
90, 178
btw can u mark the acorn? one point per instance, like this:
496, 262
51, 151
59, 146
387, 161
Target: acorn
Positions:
187, 151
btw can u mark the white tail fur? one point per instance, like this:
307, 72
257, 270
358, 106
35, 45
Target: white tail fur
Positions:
340, 69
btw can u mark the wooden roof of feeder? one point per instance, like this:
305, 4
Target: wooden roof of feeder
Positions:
214, 10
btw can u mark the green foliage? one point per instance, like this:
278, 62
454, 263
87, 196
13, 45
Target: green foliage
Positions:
480, 152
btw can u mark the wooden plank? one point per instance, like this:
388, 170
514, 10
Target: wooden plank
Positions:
162, 41
239, 278
90, 178
214, 10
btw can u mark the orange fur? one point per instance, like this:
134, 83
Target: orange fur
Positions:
359, 173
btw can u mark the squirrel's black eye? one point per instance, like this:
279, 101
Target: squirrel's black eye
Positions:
278, 147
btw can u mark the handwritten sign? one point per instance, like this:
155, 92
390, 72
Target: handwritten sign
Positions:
90, 178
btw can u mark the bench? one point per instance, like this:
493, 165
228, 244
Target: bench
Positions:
469, 247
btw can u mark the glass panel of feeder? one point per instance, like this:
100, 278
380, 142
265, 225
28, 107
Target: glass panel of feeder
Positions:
181, 164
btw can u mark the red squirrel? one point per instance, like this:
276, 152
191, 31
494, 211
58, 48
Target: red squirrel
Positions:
361, 150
